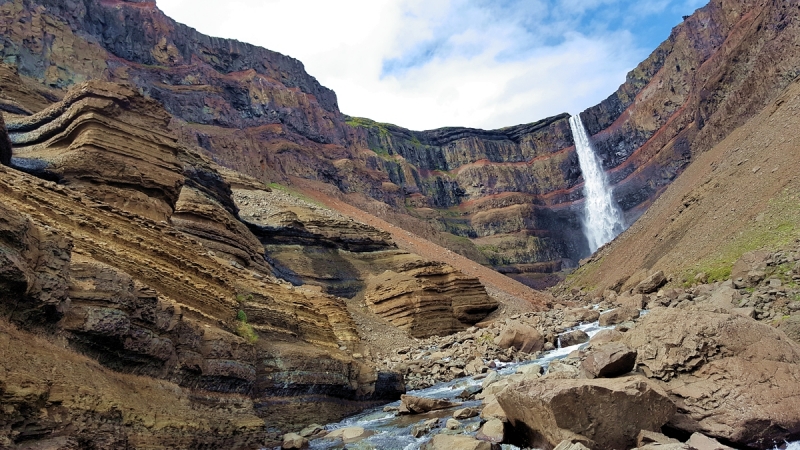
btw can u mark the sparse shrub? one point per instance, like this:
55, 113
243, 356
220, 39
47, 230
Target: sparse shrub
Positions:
244, 329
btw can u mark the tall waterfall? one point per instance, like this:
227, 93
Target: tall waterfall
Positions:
602, 217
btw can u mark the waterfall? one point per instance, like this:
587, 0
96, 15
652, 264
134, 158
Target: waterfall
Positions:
602, 217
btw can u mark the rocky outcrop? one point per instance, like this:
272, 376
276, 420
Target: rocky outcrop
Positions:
713, 364
600, 413
428, 299
108, 141
91, 261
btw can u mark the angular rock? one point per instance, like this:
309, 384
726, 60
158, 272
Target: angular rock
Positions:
569, 445
491, 431
410, 404
732, 377
601, 413
520, 337
573, 338
791, 326
452, 424
294, 441
635, 301
581, 315
605, 336
618, 315
646, 437
421, 429
349, 435
456, 442
492, 409
651, 283
749, 262
609, 360
698, 441
465, 413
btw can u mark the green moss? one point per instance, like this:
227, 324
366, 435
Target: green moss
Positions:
775, 228
244, 329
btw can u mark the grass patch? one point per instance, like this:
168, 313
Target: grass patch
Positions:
244, 329
776, 228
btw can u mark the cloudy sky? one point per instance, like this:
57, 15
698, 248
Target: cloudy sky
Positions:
425, 64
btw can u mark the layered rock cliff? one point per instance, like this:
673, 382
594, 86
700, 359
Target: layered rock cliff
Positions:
191, 305
515, 193
132, 249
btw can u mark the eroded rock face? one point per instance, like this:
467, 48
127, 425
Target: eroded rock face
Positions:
713, 364
108, 141
34, 269
600, 413
5, 143
148, 297
428, 299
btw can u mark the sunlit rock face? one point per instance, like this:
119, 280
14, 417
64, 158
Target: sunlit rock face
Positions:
515, 193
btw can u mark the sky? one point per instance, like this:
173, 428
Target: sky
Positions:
424, 64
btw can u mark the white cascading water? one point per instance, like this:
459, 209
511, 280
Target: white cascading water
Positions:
602, 217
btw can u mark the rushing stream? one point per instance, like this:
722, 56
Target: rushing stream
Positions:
394, 432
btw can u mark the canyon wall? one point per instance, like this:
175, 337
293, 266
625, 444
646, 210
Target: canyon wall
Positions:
513, 195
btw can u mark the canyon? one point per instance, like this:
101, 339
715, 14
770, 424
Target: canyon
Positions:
198, 249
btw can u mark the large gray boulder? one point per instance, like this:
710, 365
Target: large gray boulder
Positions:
733, 378
604, 413
609, 360
651, 283
521, 337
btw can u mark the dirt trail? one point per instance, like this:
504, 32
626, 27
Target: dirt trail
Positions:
509, 291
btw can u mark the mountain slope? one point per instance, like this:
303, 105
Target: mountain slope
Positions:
515, 194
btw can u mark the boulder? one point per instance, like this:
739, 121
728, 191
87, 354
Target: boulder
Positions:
492, 409
457, 442
520, 337
721, 299
558, 369
470, 392
636, 301
733, 378
569, 445
465, 413
748, 262
609, 360
698, 441
294, 440
601, 413
312, 430
491, 431
421, 429
618, 315
605, 336
573, 338
581, 315
646, 437
791, 326
349, 434
452, 424
410, 404
651, 283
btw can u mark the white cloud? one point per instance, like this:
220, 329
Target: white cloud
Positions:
424, 64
